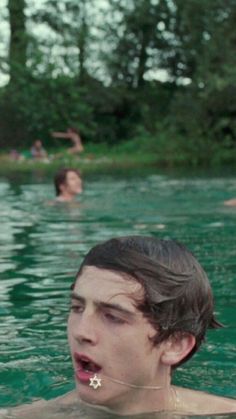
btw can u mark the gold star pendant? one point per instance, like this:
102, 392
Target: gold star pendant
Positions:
95, 382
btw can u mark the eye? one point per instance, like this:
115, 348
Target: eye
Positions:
76, 308
113, 319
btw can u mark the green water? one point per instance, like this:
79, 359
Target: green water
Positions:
42, 245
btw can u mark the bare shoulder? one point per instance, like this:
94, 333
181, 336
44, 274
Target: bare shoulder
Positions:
199, 402
24, 410
36, 408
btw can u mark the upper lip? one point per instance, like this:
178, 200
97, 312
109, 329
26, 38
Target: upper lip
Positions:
80, 357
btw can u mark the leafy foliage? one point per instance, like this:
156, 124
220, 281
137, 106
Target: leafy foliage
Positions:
98, 71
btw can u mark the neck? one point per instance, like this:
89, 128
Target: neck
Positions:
65, 197
148, 401
140, 404
135, 399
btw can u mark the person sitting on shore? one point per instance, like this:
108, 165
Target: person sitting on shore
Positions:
37, 151
73, 135
68, 184
16, 156
140, 307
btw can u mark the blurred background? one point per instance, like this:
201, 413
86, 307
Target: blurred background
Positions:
153, 75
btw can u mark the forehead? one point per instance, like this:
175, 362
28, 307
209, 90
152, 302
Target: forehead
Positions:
72, 175
108, 286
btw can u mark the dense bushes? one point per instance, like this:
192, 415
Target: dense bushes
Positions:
189, 117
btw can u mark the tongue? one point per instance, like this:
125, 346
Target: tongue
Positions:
92, 367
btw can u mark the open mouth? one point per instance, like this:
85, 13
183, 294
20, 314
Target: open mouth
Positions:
89, 366
85, 367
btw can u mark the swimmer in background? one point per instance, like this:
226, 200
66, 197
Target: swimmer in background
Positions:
68, 184
230, 202
140, 308
73, 135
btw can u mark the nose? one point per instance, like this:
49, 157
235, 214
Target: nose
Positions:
85, 330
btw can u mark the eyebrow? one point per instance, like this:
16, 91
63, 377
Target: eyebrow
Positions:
102, 304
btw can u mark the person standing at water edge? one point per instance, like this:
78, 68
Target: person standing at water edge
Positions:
140, 307
68, 184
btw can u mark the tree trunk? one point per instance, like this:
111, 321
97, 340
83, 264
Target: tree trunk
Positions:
82, 40
18, 38
142, 62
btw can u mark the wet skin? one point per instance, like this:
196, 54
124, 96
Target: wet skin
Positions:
105, 326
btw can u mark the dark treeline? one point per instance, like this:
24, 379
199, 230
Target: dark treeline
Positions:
79, 63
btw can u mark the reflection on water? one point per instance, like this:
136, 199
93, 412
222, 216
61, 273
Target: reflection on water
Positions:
42, 246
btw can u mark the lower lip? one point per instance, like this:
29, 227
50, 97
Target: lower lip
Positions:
84, 376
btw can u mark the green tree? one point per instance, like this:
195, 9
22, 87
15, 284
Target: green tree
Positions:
206, 108
18, 38
70, 21
135, 33
185, 33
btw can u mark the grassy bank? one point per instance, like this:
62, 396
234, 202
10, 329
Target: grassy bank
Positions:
132, 155
96, 159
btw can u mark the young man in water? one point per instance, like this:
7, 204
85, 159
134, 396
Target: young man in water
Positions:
140, 307
68, 184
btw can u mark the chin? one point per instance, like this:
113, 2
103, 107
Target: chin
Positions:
91, 398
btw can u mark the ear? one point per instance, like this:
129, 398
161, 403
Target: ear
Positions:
177, 347
62, 187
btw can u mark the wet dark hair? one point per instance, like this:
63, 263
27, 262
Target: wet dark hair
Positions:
60, 178
177, 294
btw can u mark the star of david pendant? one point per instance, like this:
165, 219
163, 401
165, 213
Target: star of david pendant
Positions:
95, 382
